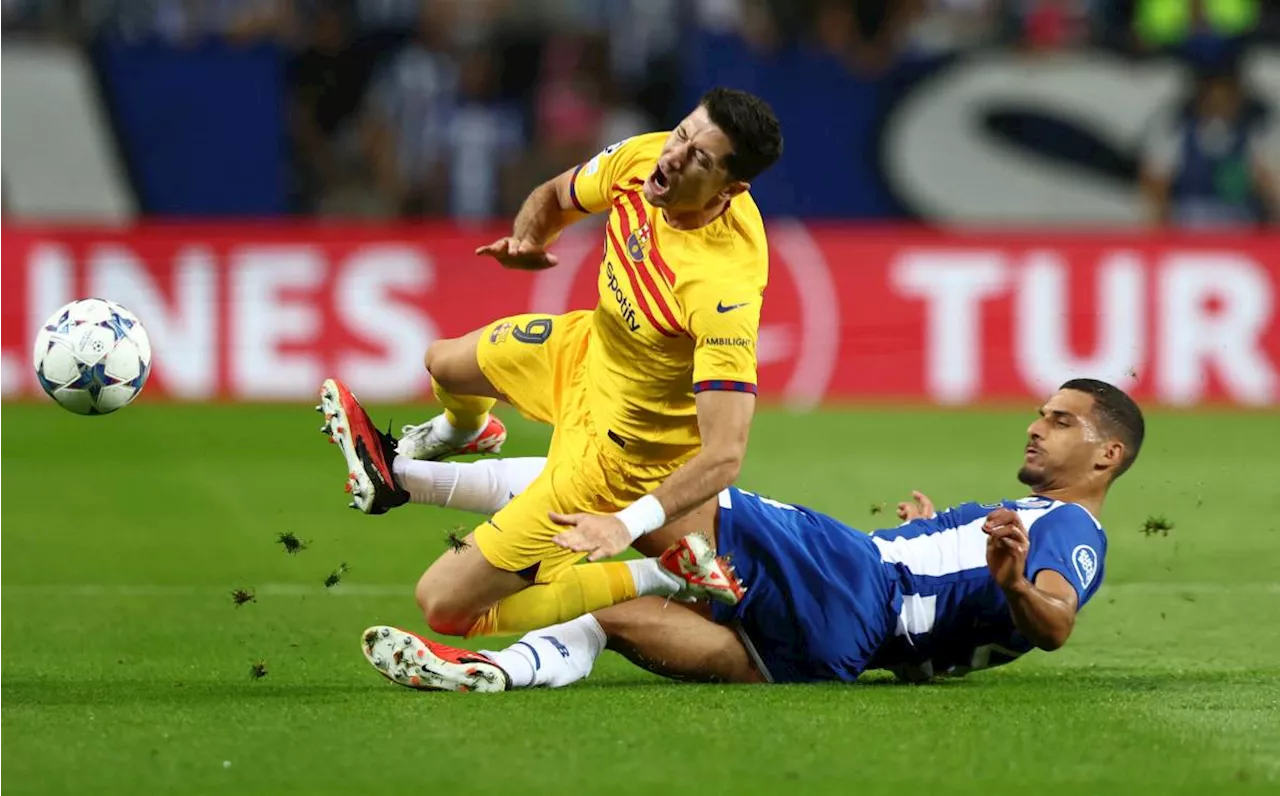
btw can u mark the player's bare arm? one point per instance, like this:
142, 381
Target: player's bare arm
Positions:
724, 423
1044, 611
545, 213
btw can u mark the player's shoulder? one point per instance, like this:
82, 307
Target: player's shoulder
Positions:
645, 142
731, 254
744, 230
1032, 510
640, 148
1057, 523
1047, 512
627, 154
745, 211
1069, 534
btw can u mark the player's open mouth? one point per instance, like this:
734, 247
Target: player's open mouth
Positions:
1032, 450
659, 181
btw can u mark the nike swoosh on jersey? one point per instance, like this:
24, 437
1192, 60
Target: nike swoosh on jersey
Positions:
720, 307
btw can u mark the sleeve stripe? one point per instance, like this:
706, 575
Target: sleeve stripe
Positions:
573, 191
721, 384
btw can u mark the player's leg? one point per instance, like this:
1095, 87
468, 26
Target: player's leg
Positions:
677, 641
454, 365
510, 577
517, 359
484, 486
517, 542
460, 385
376, 472
487, 485
466, 395
524, 358
520, 538
688, 570
460, 586
667, 638
462, 594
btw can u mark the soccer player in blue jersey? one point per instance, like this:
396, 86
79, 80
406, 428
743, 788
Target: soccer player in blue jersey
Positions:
944, 593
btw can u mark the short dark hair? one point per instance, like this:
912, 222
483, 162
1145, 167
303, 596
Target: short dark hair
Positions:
751, 126
1118, 416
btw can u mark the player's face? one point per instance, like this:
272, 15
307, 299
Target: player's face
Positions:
691, 174
1064, 444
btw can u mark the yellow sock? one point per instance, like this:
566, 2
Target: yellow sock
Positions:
464, 412
580, 590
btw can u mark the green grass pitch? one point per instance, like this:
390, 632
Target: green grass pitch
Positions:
127, 665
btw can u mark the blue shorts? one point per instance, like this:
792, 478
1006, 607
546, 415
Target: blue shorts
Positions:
819, 600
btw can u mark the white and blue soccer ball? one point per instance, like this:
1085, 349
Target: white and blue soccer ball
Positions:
92, 356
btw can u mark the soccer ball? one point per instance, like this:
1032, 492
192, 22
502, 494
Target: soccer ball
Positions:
92, 356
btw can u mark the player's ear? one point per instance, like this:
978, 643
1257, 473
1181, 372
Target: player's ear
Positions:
733, 188
1109, 455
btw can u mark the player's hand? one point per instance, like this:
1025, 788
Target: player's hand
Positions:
920, 507
1007, 547
598, 535
522, 254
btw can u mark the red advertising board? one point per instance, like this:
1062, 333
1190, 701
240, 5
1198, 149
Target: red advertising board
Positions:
266, 311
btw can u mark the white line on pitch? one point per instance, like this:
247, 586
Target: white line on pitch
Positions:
265, 589
406, 589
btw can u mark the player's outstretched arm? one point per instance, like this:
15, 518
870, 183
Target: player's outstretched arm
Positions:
1044, 611
543, 216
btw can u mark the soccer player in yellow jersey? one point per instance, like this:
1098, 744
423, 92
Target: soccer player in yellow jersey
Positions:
651, 393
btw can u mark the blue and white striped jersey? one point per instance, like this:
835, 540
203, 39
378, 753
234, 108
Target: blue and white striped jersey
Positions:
952, 617
825, 601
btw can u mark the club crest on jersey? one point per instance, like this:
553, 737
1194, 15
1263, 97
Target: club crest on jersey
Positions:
500, 332
1086, 563
638, 243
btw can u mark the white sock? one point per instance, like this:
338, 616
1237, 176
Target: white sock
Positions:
483, 486
554, 656
455, 435
652, 579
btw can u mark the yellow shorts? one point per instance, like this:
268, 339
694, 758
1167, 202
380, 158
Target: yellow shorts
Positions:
537, 361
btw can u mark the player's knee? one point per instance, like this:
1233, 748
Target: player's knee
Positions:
449, 624
452, 364
442, 613
437, 359
625, 623
444, 619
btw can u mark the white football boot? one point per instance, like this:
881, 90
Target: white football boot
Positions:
412, 661
430, 442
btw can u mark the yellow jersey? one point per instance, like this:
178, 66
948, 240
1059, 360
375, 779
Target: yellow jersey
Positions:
679, 310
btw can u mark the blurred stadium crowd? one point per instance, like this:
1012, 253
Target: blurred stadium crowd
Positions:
411, 108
